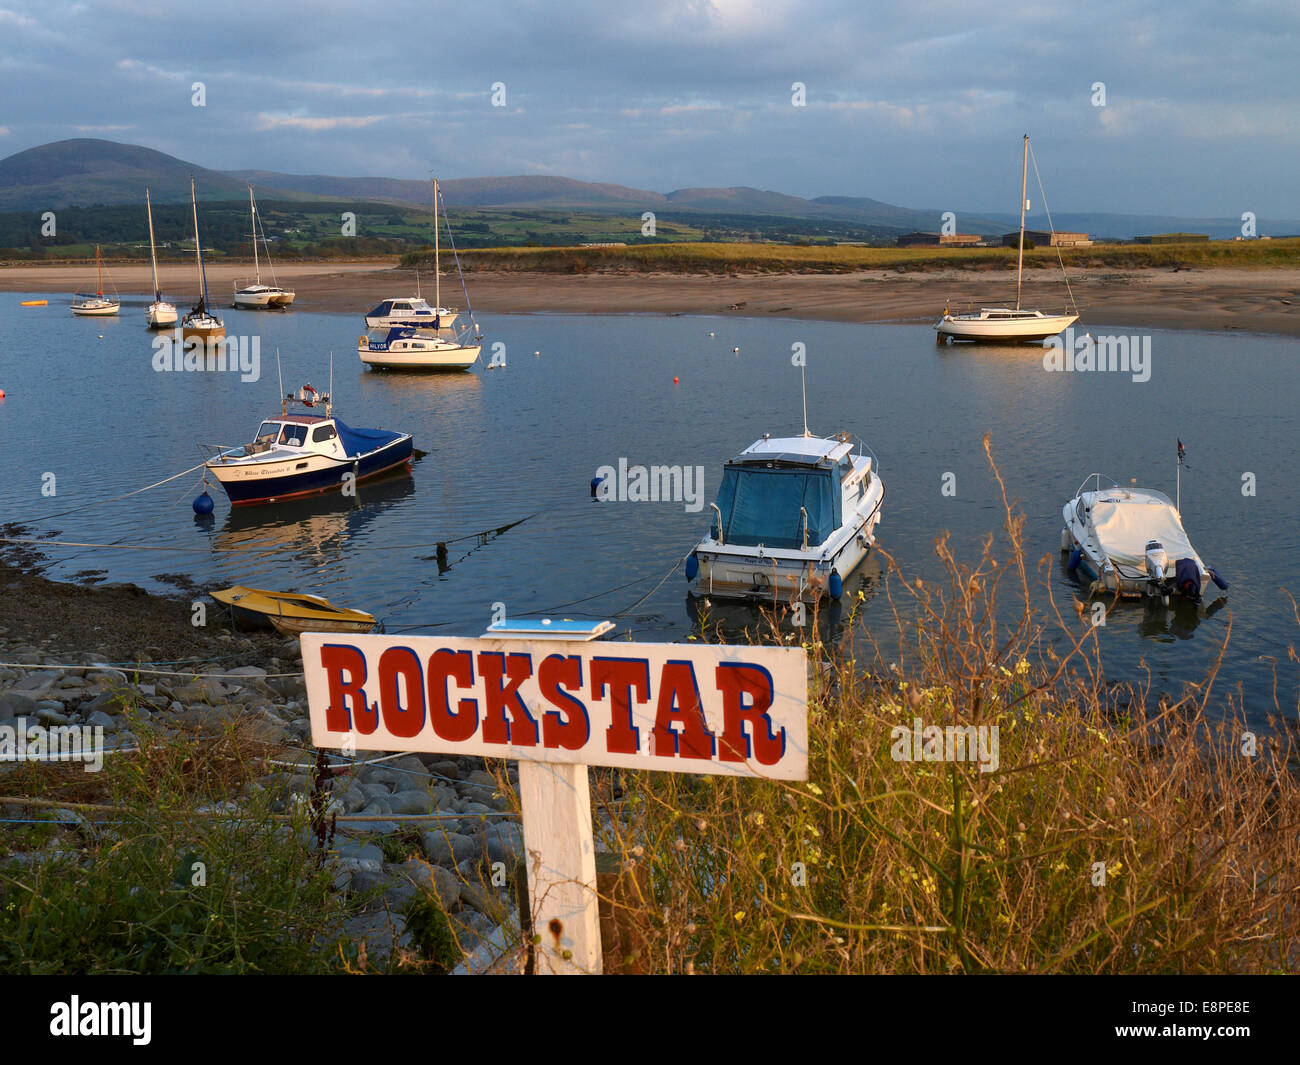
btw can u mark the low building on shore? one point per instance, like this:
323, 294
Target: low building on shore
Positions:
939, 240
1043, 238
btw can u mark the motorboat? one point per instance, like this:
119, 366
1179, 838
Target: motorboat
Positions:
405, 348
411, 311
1131, 542
301, 454
200, 323
160, 314
291, 613
992, 325
250, 293
96, 304
793, 518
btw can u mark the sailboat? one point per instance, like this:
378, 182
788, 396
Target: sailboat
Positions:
394, 344
161, 314
96, 304
200, 322
1006, 324
254, 295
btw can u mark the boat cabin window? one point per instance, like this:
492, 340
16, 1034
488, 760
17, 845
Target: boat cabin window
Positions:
761, 505
292, 435
268, 432
844, 468
322, 433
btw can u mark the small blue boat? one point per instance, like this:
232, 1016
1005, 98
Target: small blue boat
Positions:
304, 454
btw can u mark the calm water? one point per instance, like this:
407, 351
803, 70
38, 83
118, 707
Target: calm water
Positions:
524, 442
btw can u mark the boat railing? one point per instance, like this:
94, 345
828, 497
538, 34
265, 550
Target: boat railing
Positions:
220, 452
803, 515
718, 512
1094, 478
863, 446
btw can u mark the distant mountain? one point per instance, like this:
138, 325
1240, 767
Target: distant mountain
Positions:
535, 192
84, 172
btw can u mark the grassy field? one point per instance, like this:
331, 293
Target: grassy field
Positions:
715, 258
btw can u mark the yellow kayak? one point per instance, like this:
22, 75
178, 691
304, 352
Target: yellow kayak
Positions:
292, 612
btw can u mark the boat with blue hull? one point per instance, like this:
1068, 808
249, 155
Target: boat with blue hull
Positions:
303, 454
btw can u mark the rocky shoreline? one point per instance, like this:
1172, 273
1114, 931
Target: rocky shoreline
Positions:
77, 658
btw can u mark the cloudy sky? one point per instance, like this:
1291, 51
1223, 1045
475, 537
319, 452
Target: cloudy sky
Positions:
919, 104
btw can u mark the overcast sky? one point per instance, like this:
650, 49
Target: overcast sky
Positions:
918, 104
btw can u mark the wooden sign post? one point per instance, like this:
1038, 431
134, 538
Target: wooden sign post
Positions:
558, 706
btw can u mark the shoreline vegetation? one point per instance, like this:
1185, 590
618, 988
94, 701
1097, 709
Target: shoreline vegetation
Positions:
1125, 829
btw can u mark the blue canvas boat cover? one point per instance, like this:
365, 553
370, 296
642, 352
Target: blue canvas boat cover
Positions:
360, 441
761, 506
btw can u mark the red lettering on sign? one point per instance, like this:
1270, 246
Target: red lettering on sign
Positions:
572, 729
401, 663
736, 681
620, 676
679, 701
334, 659
461, 723
494, 667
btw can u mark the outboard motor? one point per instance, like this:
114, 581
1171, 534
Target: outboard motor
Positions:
1187, 579
1157, 560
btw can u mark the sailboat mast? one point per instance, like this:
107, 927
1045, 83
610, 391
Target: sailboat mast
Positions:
198, 255
437, 270
99, 274
153, 254
1024, 188
252, 214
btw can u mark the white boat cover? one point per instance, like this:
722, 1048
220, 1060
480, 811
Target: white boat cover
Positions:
1123, 529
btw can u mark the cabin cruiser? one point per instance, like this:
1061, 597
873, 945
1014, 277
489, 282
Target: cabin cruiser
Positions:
405, 348
1130, 542
410, 311
793, 518
302, 454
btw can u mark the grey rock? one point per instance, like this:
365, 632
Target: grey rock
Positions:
373, 791
410, 766
443, 767
361, 851
410, 802
246, 671
448, 848
353, 799
36, 681
99, 719
48, 716
377, 806
487, 782
505, 843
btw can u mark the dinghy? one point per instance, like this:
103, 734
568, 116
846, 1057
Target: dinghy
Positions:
1131, 542
291, 613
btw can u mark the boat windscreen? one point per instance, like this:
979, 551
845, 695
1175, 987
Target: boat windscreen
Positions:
268, 432
761, 506
381, 310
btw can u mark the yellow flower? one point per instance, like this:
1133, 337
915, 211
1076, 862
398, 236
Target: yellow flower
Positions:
740, 915
814, 788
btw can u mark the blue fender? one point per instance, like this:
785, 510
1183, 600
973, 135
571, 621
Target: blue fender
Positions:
1076, 556
1219, 582
835, 585
692, 566
203, 504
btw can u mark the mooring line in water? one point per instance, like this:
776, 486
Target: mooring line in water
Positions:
156, 672
255, 548
97, 502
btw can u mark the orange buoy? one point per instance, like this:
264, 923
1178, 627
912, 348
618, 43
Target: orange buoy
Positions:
2, 393
674, 380
35, 303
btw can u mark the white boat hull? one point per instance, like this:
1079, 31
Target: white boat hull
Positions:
96, 308
448, 357
1002, 330
161, 315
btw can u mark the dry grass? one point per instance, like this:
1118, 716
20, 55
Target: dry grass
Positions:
710, 258
875, 865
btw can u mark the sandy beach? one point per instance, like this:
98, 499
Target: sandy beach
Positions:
1254, 300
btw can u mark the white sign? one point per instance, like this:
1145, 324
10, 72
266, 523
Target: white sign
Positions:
558, 706
686, 708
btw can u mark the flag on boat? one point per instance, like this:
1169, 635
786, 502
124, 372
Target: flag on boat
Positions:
1182, 454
